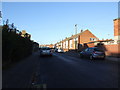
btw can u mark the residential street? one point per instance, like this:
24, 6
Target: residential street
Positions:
57, 45
62, 71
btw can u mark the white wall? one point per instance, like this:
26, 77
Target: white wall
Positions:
66, 44
116, 38
71, 44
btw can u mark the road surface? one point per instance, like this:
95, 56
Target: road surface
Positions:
61, 71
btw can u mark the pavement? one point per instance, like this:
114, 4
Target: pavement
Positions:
19, 75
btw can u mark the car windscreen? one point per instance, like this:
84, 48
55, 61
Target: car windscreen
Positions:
45, 49
97, 49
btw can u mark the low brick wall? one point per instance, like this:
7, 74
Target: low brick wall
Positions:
112, 50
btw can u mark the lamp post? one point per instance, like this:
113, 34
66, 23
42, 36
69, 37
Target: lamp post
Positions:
75, 37
0, 14
75, 28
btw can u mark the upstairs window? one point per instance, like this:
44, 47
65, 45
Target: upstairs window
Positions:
92, 39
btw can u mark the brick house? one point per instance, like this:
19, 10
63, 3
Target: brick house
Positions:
75, 41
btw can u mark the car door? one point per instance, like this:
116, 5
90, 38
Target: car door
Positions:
89, 52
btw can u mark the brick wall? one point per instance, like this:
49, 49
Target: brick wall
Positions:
116, 27
110, 50
113, 50
91, 45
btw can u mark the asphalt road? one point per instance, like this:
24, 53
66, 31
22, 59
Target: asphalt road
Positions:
61, 71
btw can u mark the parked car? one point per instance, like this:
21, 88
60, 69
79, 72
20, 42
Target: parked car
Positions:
52, 50
55, 50
60, 50
93, 53
45, 51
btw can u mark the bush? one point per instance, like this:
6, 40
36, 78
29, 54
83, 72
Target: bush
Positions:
14, 46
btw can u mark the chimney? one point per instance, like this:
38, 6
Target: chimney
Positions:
81, 30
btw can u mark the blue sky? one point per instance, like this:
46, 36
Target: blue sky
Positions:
49, 22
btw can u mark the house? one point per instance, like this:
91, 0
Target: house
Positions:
75, 41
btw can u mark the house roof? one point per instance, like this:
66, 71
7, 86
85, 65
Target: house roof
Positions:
73, 36
76, 35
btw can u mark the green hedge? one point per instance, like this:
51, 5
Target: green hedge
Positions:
14, 46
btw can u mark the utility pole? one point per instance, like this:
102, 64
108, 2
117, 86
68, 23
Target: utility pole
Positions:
75, 37
0, 17
75, 28
108, 36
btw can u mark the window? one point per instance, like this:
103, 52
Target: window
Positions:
92, 39
71, 44
90, 49
66, 44
96, 49
80, 45
86, 49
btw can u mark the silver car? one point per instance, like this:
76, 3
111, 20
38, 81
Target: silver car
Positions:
45, 51
60, 50
93, 53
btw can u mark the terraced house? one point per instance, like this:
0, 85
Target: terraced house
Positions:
76, 41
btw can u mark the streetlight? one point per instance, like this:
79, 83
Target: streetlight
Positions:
75, 34
75, 28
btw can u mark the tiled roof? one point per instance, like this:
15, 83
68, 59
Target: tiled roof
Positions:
72, 37
75, 36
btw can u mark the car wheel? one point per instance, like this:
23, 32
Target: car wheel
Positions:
91, 57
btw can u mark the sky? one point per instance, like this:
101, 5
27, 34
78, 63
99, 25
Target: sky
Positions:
60, 0
50, 22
